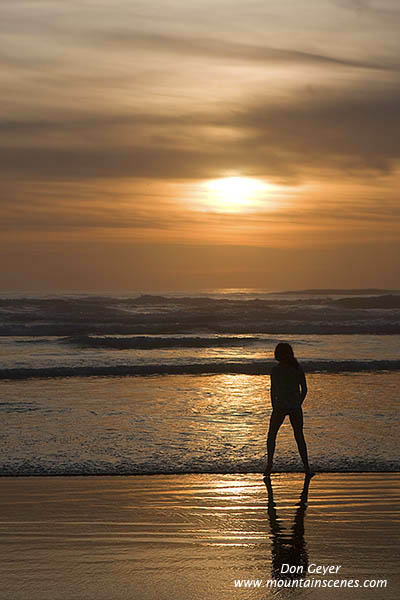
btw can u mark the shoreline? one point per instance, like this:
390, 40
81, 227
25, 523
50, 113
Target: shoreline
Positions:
189, 473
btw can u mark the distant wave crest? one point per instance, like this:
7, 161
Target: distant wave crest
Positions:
153, 342
309, 312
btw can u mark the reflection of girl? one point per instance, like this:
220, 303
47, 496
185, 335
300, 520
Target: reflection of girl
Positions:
288, 390
288, 548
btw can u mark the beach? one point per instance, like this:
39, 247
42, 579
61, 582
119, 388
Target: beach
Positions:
193, 536
132, 449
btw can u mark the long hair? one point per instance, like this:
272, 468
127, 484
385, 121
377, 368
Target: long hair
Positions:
284, 353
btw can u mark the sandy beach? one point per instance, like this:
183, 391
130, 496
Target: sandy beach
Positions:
193, 536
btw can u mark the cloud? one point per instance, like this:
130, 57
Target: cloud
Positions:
352, 131
144, 210
227, 50
111, 117
131, 161
378, 9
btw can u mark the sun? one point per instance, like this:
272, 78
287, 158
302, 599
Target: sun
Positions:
234, 194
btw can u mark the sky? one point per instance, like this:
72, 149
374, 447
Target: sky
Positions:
194, 145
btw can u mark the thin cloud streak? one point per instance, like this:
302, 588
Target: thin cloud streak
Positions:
227, 50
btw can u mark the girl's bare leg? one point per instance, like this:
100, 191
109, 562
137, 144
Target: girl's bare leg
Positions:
275, 422
296, 420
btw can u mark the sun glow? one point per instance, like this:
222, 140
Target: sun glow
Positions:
235, 194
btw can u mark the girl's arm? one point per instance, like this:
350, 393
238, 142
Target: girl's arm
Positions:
303, 386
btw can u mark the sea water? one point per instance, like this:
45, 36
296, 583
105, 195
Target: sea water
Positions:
179, 384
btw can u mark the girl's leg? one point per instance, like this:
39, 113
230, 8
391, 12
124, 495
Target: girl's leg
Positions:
296, 420
275, 422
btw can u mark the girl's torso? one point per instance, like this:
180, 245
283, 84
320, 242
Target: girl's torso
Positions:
285, 380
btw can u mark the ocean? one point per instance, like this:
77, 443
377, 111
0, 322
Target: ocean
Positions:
178, 383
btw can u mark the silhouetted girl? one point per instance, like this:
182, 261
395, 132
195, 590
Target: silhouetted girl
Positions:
288, 390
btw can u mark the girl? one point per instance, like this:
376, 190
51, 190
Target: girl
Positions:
288, 390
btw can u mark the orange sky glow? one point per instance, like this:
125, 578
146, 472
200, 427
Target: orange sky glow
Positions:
187, 145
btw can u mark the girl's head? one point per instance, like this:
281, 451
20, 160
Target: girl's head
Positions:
284, 354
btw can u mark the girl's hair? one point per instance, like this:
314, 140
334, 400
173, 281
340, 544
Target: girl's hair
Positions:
284, 353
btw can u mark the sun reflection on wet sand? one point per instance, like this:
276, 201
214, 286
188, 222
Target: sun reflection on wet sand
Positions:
166, 536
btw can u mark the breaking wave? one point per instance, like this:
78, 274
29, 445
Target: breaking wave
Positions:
246, 368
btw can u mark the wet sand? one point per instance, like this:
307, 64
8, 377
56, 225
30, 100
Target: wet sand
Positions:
192, 536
